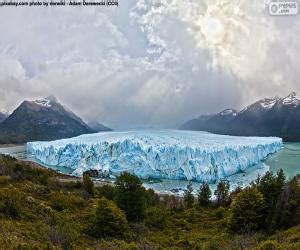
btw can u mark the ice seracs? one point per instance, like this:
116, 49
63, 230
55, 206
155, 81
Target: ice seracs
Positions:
168, 154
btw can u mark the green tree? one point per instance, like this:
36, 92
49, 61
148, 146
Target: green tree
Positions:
109, 221
188, 196
271, 186
130, 196
287, 211
246, 210
204, 195
222, 193
88, 184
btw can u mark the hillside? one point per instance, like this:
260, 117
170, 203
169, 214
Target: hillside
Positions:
40, 209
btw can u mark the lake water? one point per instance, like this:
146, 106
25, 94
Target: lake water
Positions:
288, 159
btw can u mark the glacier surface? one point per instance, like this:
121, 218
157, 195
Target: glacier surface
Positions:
163, 154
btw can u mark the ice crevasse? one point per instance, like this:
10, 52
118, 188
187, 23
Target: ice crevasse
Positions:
163, 154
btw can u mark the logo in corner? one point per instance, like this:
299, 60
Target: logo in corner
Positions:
283, 8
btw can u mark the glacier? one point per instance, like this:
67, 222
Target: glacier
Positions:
163, 154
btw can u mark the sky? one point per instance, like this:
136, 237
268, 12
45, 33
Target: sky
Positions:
148, 63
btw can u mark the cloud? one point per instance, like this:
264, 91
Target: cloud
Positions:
148, 62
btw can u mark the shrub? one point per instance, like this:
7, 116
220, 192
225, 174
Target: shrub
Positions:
60, 201
246, 210
9, 204
152, 199
156, 218
109, 221
106, 191
269, 245
4, 179
220, 212
130, 196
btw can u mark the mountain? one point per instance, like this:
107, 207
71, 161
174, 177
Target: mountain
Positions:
266, 117
98, 127
44, 119
3, 115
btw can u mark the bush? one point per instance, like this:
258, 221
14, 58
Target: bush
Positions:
220, 212
152, 199
9, 204
130, 196
269, 245
60, 201
156, 218
247, 210
109, 221
106, 191
4, 179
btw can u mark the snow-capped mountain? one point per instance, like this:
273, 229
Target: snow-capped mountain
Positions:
267, 117
44, 119
3, 115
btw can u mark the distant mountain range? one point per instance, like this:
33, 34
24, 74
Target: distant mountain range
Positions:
98, 127
41, 120
266, 117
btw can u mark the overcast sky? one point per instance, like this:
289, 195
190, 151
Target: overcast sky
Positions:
148, 62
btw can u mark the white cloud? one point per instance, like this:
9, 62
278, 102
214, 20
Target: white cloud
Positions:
148, 62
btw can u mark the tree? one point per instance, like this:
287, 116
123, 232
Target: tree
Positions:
109, 221
246, 210
204, 195
88, 184
222, 193
287, 210
130, 196
271, 186
188, 196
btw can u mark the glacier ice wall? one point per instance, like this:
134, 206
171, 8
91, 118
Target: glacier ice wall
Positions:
168, 154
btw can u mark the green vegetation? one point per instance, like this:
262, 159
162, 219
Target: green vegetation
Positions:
108, 221
188, 196
88, 184
41, 209
130, 196
246, 210
222, 193
204, 195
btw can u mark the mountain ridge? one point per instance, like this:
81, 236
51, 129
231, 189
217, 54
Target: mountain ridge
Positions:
40, 120
266, 117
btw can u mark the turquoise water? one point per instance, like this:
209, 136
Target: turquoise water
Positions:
288, 159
